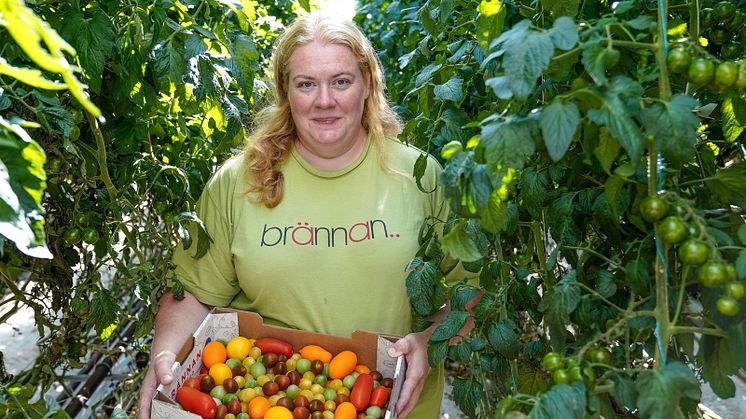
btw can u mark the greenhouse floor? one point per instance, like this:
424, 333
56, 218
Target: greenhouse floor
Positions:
18, 343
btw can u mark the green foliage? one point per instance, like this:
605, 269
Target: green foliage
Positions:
563, 111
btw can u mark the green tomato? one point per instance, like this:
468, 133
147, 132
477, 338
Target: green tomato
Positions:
719, 36
672, 230
724, 11
678, 60
731, 50
329, 393
257, 368
652, 208
610, 57
730, 270
727, 305
600, 356
726, 74
706, 18
741, 79
218, 392
712, 274
561, 376
72, 235
735, 289
373, 411
90, 235
303, 365
694, 252
349, 381
576, 373
293, 391
552, 361
82, 219
700, 71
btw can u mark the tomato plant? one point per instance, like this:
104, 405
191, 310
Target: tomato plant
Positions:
598, 139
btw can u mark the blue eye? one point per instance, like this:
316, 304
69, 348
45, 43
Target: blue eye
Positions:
306, 85
341, 82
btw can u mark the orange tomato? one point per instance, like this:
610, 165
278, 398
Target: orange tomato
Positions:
345, 410
258, 407
214, 353
342, 364
314, 352
362, 369
278, 412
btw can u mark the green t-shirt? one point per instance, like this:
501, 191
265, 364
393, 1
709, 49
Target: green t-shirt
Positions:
330, 258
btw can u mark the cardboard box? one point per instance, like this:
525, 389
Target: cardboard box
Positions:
221, 323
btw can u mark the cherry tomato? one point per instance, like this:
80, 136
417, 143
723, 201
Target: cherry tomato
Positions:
723, 11
672, 230
741, 79
561, 376
726, 74
712, 274
361, 391
380, 396
727, 305
90, 235
600, 356
653, 208
610, 57
678, 60
193, 383
694, 252
552, 361
72, 235
700, 71
736, 289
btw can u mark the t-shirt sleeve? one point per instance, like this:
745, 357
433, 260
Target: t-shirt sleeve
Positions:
212, 277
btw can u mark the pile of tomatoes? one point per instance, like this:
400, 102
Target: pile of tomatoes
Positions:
717, 67
264, 378
678, 225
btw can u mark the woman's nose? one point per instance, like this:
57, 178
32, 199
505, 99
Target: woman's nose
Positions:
325, 97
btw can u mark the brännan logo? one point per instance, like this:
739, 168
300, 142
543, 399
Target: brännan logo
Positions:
304, 234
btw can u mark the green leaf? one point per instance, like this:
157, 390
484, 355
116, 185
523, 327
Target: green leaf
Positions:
605, 284
169, 65
561, 401
719, 363
495, 217
561, 7
507, 144
490, 21
467, 392
559, 122
104, 313
615, 115
305, 4
625, 391
449, 327
728, 183
741, 264
531, 380
594, 54
187, 224
426, 74
426, 18
561, 299
421, 284
637, 273
564, 32
461, 243
30, 76
742, 234
533, 186
607, 150
661, 390
436, 352
734, 117
737, 339
451, 90
674, 125
93, 39
419, 170
503, 337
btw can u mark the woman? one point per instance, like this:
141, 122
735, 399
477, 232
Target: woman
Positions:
314, 223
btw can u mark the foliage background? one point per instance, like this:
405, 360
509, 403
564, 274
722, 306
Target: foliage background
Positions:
548, 117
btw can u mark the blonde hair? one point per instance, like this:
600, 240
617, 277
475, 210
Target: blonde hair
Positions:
272, 141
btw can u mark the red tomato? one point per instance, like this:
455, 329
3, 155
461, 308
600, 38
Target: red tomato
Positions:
275, 346
196, 402
380, 396
193, 382
360, 395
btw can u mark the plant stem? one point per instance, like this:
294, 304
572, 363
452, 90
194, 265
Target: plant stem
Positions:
675, 330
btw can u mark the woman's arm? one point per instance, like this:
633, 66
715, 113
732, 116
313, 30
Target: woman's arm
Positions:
175, 322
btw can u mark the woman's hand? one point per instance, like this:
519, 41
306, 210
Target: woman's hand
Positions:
158, 373
414, 347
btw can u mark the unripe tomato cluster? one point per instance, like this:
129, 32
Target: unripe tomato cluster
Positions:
565, 371
677, 225
265, 379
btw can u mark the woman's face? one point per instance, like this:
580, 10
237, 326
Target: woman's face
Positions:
327, 93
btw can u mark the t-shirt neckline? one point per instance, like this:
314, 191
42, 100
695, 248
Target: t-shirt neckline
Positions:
332, 173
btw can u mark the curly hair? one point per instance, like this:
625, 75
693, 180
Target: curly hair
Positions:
272, 141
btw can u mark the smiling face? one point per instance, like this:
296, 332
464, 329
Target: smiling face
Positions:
327, 94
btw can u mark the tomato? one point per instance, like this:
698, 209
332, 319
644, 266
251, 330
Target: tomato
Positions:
600, 356
741, 79
380, 396
278, 412
700, 71
345, 410
196, 402
694, 252
450, 149
221, 411
712, 274
206, 383
730, 270
234, 406
719, 36
731, 50
90, 235
220, 372
610, 57
314, 352
726, 74
723, 11
727, 305
214, 353
736, 289
272, 345
561, 376
706, 18
672, 230
552, 361
576, 373
678, 60
193, 382
238, 348
270, 388
258, 406
342, 364
301, 412
72, 235
653, 208
734, 24
54, 165
361, 391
